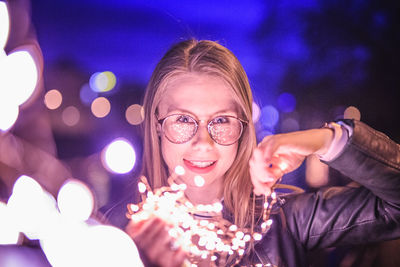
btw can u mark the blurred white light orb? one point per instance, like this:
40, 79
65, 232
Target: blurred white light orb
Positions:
199, 181
179, 170
8, 114
75, 201
102, 81
53, 99
12, 68
9, 235
110, 246
100, 107
31, 207
119, 156
4, 25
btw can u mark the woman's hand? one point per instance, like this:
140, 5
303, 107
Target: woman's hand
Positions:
152, 238
279, 154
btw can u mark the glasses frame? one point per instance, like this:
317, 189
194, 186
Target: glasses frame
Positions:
243, 124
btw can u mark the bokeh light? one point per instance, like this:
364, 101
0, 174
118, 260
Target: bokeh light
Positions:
53, 99
110, 246
286, 102
102, 81
87, 95
100, 107
119, 156
75, 201
256, 112
8, 232
31, 207
199, 181
352, 112
134, 114
269, 116
9, 114
70, 116
4, 25
12, 68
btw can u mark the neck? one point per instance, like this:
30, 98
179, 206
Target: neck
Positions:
207, 194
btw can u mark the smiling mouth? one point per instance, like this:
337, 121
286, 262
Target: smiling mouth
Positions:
198, 166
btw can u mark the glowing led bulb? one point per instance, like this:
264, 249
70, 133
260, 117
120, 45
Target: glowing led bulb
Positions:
141, 187
179, 170
283, 166
199, 181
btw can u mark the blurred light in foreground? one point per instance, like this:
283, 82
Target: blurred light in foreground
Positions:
53, 99
110, 246
71, 116
352, 112
87, 95
8, 114
101, 107
199, 181
31, 207
179, 170
289, 125
102, 81
4, 25
269, 116
9, 235
119, 156
18, 77
256, 112
134, 114
75, 200
286, 102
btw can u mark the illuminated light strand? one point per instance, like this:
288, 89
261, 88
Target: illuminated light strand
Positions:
214, 238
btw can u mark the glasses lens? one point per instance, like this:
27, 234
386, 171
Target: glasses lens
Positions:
179, 128
225, 130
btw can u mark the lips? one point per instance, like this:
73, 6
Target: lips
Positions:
200, 166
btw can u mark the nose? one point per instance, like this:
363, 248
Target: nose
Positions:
202, 140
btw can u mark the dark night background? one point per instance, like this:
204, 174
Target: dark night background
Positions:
307, 61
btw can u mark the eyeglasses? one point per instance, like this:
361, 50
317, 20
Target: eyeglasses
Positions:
180, 128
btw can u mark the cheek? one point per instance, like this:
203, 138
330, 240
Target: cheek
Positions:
229, 155
171, 153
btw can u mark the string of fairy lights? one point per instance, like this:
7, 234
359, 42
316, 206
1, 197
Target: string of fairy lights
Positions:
215, 238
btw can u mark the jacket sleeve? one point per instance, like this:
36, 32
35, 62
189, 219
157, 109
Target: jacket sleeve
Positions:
352, 214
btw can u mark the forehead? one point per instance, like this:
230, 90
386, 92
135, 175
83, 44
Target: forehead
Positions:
201, 95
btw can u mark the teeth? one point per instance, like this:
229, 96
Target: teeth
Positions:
202, 164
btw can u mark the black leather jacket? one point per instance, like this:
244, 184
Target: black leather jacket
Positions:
339, 215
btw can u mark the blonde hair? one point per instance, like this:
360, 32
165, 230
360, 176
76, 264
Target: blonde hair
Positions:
211, 58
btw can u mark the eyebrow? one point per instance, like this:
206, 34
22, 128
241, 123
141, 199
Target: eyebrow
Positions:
232, 108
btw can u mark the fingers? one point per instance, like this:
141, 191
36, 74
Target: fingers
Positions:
152, 238
264, 174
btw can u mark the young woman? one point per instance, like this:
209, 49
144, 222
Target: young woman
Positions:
198, 115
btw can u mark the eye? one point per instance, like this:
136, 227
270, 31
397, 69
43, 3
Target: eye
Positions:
184, 119
220, 120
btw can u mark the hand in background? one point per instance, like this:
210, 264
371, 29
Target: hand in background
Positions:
279, 154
